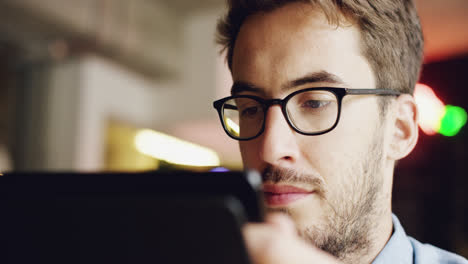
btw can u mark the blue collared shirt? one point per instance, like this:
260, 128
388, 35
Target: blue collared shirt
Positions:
401, 249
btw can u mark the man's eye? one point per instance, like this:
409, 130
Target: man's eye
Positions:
315, 104
250, 111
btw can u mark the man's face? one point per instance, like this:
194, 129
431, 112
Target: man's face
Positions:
331, 184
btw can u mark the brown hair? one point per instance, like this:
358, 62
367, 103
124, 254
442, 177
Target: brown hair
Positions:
391, 33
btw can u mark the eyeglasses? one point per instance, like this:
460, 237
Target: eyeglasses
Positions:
311, 111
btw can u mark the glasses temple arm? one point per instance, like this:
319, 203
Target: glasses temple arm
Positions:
372, 91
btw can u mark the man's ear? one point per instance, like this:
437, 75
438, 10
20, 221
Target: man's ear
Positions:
405, 129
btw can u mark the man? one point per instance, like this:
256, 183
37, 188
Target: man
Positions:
322, 105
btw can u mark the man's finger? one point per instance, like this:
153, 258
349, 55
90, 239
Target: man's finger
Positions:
282, 222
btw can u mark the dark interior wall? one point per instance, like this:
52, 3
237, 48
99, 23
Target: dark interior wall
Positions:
430, 196
7, 85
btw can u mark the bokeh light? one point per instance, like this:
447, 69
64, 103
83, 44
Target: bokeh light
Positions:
436, 117
431, 109
453, 120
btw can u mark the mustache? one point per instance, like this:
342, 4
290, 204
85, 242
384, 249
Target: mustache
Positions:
285, 175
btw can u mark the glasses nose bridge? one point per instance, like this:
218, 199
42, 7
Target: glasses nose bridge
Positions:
271, 102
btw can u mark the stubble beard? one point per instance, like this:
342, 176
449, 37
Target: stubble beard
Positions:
355, 206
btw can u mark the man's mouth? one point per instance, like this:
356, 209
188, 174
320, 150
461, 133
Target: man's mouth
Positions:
280, 195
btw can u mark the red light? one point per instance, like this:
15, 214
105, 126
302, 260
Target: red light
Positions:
431, 109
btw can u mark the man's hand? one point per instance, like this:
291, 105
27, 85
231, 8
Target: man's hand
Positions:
276, 241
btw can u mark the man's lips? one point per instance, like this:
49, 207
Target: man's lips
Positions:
278, 195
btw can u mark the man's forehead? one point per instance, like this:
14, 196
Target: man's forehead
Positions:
295, 18
271, 56
293, 26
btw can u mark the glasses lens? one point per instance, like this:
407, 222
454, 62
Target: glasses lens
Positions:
243, 117
313, 111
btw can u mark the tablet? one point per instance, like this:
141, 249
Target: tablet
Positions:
153, 217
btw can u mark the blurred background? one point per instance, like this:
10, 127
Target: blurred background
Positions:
128, 85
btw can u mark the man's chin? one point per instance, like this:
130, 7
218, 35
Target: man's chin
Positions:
305, 214
280, 210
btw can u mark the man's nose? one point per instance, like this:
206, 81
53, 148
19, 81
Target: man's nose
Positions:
278, 141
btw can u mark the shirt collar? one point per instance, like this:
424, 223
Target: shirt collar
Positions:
398, 249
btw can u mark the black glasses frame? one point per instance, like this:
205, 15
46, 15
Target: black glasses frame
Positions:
339, 93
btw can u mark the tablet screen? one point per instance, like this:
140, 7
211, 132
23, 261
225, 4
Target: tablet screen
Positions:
171, 217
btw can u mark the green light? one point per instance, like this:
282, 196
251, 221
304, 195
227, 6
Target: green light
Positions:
453, 120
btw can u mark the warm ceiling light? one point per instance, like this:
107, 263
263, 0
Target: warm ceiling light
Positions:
174, 150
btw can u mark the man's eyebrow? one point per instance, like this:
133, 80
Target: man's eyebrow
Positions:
241, 86
315, 77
